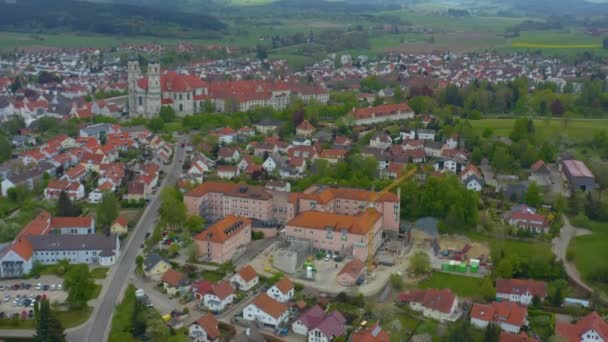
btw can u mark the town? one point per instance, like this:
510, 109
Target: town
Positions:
359, 199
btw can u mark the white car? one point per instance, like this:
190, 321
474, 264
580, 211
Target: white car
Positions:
59, 287
38, 286
53, 287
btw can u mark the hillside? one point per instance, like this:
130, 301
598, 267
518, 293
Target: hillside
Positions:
124, 19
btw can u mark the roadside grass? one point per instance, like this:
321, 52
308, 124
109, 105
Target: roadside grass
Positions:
590, 251
69, 319
576, 129
96, 291
99, 272
529, 249
461, 285
212, 276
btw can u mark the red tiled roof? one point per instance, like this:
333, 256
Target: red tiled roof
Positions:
222, 230
306, 125
577, 168
269, 305
520, 286
211, 326
521, 337
438, 300
222, 290
71, 222
574, 332
353, 268
284, 285
500, 312
121, 220
372, 334
248, 273
23, 248
359, 224
382, 110
537, 166
38, 226
173, 277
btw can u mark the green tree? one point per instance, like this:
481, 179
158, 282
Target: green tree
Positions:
420, 263
65, 207
492, 333
487, 290
195, 224
533, 197
79, 284
139, 262
107, 211
156, 124
48, 327
167, 114
398, 95
396, 282
6, 149
505, 268
172, 208
459, 332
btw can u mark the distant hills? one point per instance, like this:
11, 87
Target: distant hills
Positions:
104, 18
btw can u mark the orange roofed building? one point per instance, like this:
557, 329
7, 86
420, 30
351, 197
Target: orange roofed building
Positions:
589, 328
382, 113
220, 242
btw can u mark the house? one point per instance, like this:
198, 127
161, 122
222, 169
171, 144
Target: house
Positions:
135, 191
228, 171
99, 130
245, 279
200, 288
525, 217
266, 311
269, 164
510, 317
342, 141
246, 132
382, 113
224, 239
352, 273
226, 136
282, 291
219, 297
120, 226
426, 134
175, 282
520, 291
540, 173
268, 126
205, 329
305, 129
155, 266
26, 178
589, 328
521, 337
75, 174
441, 305
330, 327
473, 182
373, 333
74, 190
333, 156
578, 175
381, 141
229, 154
308, 320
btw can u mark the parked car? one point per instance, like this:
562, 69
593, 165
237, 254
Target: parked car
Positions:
53, 287
2, 287
16, 287
30, 314
28, 286
38, 286
45, 287
59, 287
7, 298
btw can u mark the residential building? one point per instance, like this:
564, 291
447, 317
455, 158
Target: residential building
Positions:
226, 135
245, 279
331, 326
175, 282
205, 329
521, 337
219, 297
382, 113
120, 226
282, 291
381, 141
266, 311
74, 190
540, 173
525, 217
305, 129
155, 266
510, 317
587, 329
578, 175
221, 241
26, 178
344, 235
520, 291
373, 333
308, 320
441, 305
352, 273
94, 249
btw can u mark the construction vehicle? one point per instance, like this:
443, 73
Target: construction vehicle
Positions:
371, 203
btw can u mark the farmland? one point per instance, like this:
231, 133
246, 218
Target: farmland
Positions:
576, 129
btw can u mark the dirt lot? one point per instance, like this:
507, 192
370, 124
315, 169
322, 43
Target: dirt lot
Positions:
458, 242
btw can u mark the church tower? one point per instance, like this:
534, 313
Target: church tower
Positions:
154, 88
134, 73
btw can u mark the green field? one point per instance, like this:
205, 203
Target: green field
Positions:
590, 251
460, 285
536, 249
576, 129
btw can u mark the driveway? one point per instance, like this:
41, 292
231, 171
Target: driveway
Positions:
559, 245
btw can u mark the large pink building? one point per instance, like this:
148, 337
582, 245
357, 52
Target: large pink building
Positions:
215, 200
220, 242
346, 235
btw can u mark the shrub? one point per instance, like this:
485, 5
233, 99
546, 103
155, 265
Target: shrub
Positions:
570, 253
582, 221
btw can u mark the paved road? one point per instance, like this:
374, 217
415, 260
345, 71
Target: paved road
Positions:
97, 327
560, 248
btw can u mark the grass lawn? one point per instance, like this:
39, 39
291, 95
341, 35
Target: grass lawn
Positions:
213, 276
531, 249
589, 250
461, 285
577, 129
69, 319
96, 291
99, 272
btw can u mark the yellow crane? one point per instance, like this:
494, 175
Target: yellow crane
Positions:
371, 248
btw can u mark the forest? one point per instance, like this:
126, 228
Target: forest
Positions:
65, 15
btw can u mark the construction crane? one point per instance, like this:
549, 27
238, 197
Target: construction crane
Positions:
371, 203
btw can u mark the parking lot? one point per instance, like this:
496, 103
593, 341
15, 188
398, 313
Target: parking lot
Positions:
18, 295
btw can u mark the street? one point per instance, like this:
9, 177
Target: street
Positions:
97, 328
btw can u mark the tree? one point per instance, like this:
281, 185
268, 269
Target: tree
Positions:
156, 124
487, 289
6, 149
533, 197
139, 262
420, 263
167, 114
107, 211
492, 333
48, 327
195, 224
65, 207
505, 268
139, 319
172, 208
78, 283
460, 332
398, 95
396, 282
227, 267
557, 108
261, 52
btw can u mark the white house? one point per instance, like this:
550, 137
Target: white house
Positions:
520, 291
267, 311
227, 171
226, 136
205, 329
269, 164
426, 134
591, 328
282, 291
382, 141
510, 317
245, 279
219, 297
440, 305
318, 325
